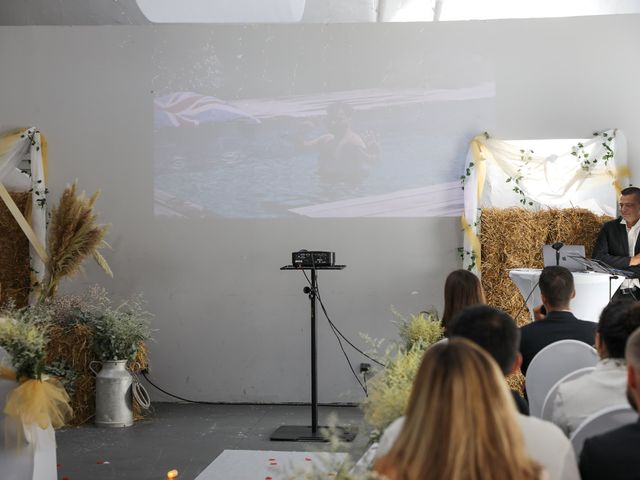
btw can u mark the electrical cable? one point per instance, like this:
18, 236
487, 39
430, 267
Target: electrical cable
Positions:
324, 310
333, 329
144, 374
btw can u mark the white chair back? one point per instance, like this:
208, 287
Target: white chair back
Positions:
365, 463
551, 364
602, 421
549, 400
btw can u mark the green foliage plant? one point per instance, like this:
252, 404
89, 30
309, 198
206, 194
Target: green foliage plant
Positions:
120, 331
25, 341
424, 327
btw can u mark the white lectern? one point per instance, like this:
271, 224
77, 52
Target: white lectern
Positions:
593, 291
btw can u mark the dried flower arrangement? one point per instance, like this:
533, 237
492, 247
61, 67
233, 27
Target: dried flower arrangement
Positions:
71, 323
389, 389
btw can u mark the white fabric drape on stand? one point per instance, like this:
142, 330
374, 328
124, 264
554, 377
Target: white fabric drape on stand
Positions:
584, 173
27, 150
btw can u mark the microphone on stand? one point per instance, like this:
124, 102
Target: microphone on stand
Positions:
557, 246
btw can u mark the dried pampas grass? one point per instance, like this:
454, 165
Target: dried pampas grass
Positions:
73, 235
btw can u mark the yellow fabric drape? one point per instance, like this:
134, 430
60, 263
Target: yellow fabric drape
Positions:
620, 173
41, 402
8, 140
481, 172
44, 149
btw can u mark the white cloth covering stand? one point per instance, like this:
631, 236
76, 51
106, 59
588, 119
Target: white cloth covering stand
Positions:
592, 291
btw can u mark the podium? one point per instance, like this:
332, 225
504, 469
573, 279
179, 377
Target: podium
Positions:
593, 291
312, 433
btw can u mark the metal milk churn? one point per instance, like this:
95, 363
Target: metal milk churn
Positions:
113, 394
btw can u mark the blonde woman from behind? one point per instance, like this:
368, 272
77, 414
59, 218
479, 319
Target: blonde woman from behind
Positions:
461, 422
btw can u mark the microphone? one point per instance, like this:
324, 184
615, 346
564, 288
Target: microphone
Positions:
557, 246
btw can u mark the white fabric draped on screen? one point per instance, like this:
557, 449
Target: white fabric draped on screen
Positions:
585, 173
20, 152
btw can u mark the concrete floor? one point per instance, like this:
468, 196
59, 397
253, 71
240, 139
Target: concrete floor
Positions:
187, 437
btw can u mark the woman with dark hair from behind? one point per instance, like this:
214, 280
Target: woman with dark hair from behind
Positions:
460, 423
461, 289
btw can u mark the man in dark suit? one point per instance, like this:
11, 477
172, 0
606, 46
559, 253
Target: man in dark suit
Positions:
614, 455
557, 290
617, 244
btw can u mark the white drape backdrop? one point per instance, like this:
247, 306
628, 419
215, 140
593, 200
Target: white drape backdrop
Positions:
586, 173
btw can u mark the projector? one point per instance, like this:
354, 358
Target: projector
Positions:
304, 258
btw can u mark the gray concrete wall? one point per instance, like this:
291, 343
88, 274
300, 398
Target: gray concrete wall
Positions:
229, 325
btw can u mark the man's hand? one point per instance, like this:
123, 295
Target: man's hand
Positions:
538, 313
635, 260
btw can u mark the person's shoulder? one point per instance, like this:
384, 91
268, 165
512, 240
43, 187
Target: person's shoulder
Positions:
541, 429
612, 223
389, 436
613, 438
587, 325
572, 387
396, 425
529, 327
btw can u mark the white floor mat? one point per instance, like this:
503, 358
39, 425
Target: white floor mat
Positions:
268, 465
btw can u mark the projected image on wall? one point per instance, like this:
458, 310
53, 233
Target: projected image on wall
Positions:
267, 136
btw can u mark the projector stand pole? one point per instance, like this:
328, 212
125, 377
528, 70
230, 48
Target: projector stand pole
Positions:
313, 433
314, 353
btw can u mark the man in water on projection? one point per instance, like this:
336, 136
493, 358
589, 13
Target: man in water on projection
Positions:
344, 154
617, 244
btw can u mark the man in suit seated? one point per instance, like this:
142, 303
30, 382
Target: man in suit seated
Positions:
497, 333
606, 385
614, 455
617, 243
557, 290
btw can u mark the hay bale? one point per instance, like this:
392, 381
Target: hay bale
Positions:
514, 237
73, 344
14, 254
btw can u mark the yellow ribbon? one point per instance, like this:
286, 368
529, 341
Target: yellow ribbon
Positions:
479, 163
44, 151
41, 402
478, 156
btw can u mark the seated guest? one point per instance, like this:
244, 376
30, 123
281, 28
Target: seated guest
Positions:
461, 422
556, 290
617, 243
461, 289
498, 335
606, 385
614, 455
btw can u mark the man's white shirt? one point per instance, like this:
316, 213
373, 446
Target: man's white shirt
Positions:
632, 236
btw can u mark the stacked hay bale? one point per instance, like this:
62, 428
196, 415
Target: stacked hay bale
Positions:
514, 237
14, 253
